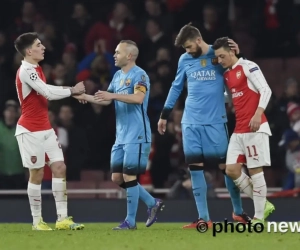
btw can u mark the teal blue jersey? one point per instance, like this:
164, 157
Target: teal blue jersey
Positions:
132, 122
205, 103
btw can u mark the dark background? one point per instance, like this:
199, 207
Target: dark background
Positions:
80, 41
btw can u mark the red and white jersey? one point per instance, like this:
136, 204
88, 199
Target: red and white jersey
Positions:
249, 90
33, 94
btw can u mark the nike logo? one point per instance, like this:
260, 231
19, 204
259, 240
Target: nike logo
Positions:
36, 200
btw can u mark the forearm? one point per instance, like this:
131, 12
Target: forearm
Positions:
90, 99
132, 98
56, 92
172, 98
265, 96
259, 111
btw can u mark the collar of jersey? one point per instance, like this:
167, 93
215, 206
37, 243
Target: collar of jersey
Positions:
238, 61
128, 71
29, 64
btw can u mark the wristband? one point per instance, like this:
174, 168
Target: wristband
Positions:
165, 113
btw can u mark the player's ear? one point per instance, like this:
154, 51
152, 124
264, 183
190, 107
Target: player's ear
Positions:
28, 51
198, 40
231, 53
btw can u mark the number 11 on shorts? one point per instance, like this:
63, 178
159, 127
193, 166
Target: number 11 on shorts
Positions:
253, 149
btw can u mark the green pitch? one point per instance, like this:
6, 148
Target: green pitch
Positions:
162, 236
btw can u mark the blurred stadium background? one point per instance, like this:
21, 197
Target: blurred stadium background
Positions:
80, 38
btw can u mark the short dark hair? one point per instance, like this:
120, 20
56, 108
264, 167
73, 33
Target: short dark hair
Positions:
129, 42
221, 43
25, 41
187, 32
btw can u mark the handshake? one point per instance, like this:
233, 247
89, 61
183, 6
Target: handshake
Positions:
78, 89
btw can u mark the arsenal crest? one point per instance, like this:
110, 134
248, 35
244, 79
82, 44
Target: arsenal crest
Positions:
214, 61
238, 74
33, 159
203, 63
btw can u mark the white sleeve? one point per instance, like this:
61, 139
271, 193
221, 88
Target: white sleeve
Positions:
30, 77
256, 77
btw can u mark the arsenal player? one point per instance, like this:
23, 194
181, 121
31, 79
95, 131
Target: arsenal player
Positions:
249, 143
35, 135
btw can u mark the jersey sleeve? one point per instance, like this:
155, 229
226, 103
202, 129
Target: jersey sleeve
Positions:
256, 77
30, 77
141, 83
111, 88
175, 90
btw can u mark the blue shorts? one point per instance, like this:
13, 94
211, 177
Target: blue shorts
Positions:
205, 143
130, 159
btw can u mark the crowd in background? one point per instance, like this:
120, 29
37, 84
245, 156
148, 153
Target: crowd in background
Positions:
80, 39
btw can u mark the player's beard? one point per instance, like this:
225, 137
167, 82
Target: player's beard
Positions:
197, 53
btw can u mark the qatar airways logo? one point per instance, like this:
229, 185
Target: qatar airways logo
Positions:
236, 94
204, 75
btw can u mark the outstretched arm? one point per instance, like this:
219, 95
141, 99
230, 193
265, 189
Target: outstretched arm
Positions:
91, 99
50, 92
175, 91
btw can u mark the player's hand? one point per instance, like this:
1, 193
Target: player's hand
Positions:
81, 98
78, 89
255, 123
103, 96
234, 46
161, 126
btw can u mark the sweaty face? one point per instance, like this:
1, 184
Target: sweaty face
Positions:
193, 48
121, 55
37, 50
224, 57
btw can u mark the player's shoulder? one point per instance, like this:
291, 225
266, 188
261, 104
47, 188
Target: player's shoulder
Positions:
27, 70
210, 53
184, 57
248, 65
117, 74
139, 72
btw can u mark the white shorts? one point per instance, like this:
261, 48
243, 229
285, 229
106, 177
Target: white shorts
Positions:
252, 149
35, 146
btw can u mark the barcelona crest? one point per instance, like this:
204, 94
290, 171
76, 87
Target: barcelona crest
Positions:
128, 81
214, 61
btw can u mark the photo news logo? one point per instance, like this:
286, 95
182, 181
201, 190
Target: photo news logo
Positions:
231, 227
